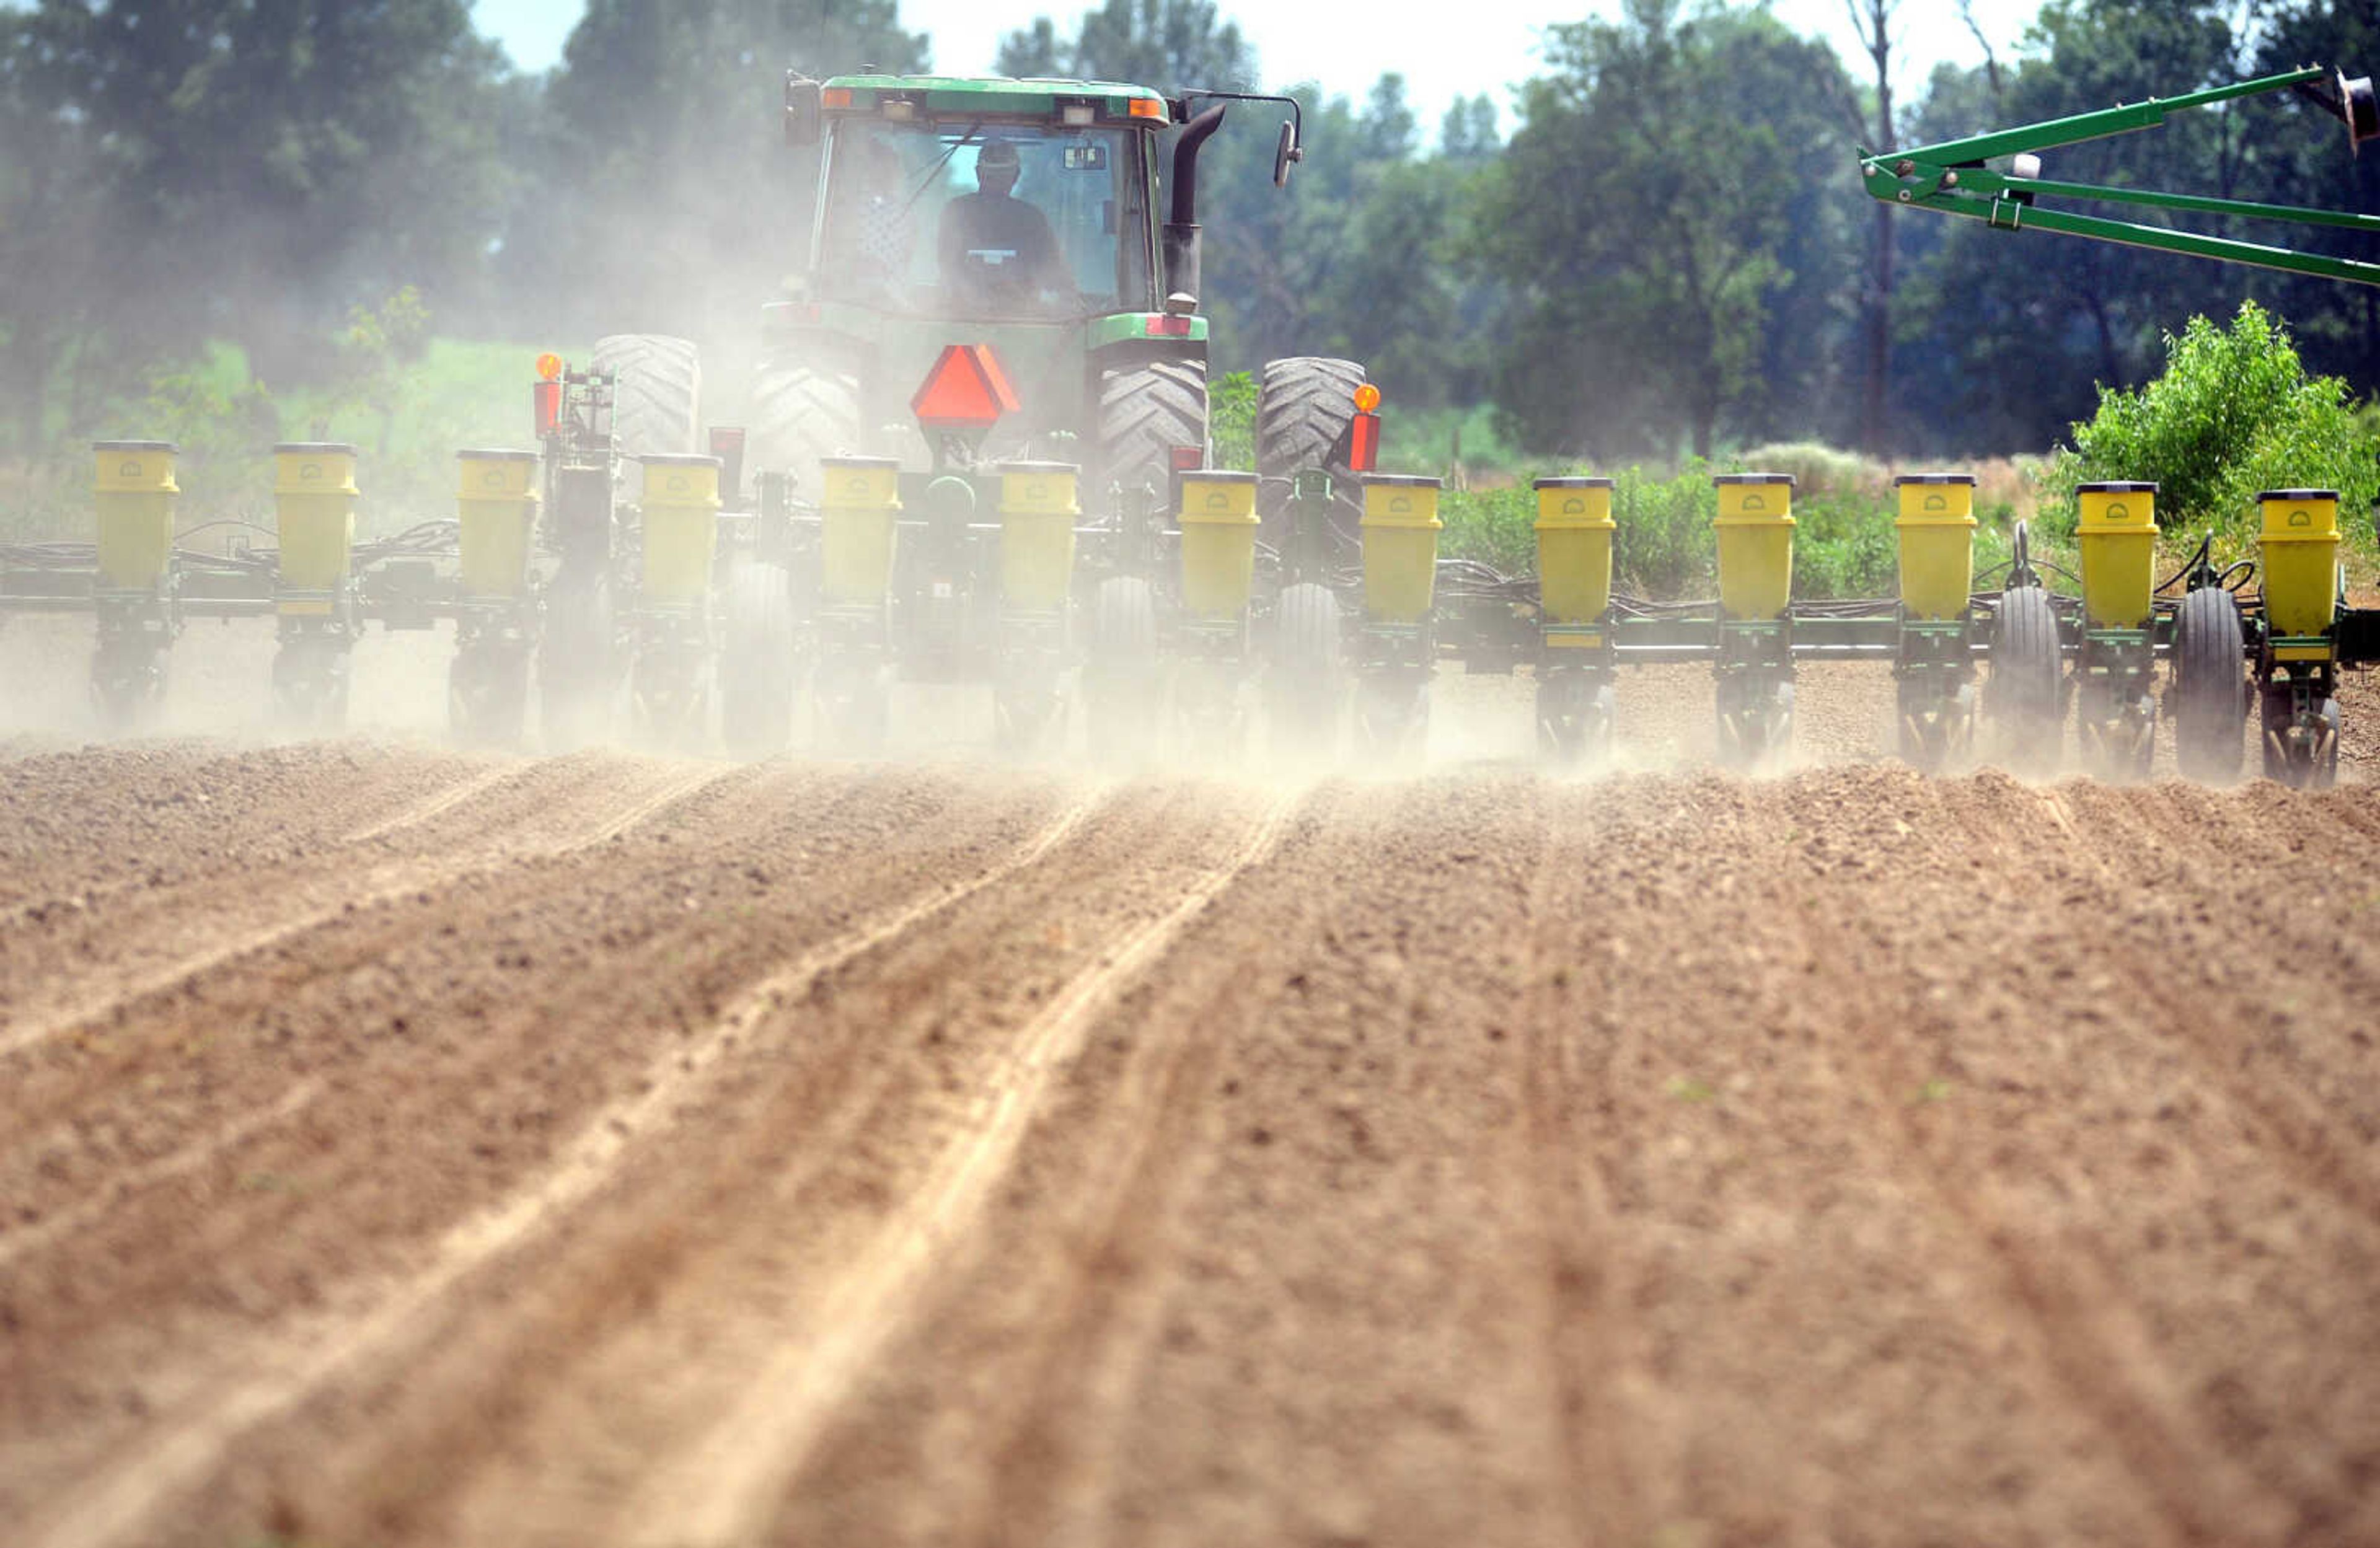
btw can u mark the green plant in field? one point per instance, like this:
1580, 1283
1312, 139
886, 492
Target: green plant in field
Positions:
1845, 545
224, 423
2232, 413
1819, 469
1495, 526
1666, 546
1232, 419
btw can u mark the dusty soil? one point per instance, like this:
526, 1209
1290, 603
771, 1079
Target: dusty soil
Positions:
404, 1147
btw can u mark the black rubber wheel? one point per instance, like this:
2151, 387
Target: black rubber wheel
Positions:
1122, 693
657, 405
2027, 693
1303, 409
1304, 405
1303, 685
576, 658
1144, 412
805, 410
757, 665
2210, 686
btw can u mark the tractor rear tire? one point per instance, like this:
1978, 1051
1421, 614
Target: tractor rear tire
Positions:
1304, 407
657, 405
758, 668
1144, 412
2028, 695
1303, 410
1122, 692
804, 411
1304, 682
2210, 687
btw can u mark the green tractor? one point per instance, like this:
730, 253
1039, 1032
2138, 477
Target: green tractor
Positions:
973, 411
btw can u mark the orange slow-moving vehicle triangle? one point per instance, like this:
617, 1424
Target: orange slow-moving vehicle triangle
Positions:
967, 389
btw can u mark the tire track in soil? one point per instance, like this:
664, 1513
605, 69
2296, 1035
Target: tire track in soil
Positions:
2065, 1276
2133, 857
766, 1173
380, 886
726, 1486
1040, 1353
209, 1067
1590, 1278
117, 1504
78, 829
1809, 1354
1266, 1081
57, 1226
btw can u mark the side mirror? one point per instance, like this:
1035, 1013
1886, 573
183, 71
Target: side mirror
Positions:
801, 110
1287, 152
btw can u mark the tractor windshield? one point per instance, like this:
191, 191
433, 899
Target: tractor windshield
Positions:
989, 221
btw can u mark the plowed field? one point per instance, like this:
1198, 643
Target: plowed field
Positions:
404, 1147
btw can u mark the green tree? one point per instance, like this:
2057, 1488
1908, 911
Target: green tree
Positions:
246, 170
2025, 324
678, 207
2232, 413
1640, 278
2337, 325
1170, 44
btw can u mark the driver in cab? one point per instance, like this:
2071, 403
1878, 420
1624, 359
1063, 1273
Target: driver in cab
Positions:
998, 250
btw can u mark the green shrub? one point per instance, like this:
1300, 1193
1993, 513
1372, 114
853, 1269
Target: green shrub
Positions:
1496, 527
1819, 469
2232, 413
1666, 546
1845, 545
1231, 420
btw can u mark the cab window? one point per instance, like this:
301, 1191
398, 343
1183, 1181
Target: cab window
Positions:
992, 221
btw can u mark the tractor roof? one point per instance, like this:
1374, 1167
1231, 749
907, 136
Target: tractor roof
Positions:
938, 95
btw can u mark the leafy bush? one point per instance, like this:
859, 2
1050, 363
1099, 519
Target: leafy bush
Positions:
1819, 469
1496, 527
1232, 419
1666, 546
1844, 546
2232, 413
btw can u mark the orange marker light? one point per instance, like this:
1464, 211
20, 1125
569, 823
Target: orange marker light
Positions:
1148, 107
835, 96
1367, 398
549, 368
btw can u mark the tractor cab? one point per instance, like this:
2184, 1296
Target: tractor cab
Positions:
978, 220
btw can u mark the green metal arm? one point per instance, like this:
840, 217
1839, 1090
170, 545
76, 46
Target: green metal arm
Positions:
1950, 177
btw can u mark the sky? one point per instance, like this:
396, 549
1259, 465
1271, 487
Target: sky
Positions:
1346, 47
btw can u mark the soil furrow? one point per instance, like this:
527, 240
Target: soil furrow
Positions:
196, 1444
739, 1470
229, 941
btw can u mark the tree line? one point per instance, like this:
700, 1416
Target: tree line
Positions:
1668, 253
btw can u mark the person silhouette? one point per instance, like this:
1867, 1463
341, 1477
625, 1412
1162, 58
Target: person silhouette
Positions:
998, 250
